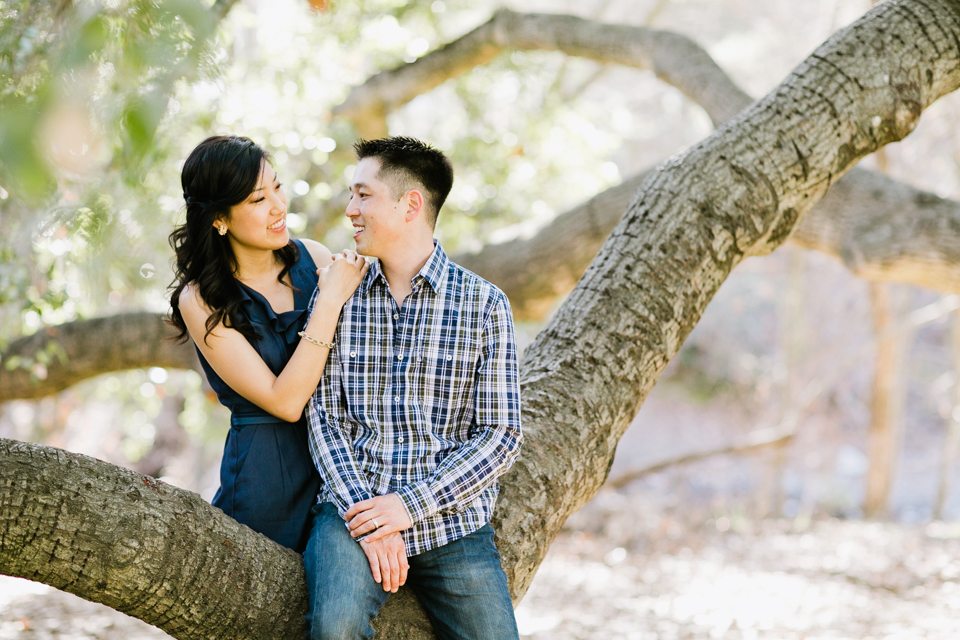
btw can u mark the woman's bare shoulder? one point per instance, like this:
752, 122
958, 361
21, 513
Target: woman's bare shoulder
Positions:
190, 301
320, 254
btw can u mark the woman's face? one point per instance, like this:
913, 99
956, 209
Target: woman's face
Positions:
260, 221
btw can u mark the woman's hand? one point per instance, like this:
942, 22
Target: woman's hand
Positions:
339, 279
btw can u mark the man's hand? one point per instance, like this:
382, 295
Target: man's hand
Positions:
388, 561
378, 517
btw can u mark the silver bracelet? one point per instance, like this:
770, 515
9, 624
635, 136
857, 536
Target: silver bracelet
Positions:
320, 343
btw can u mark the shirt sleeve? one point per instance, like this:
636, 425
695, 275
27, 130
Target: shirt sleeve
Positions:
329, 440
496, 435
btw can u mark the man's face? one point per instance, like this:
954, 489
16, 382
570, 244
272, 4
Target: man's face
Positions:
378, 217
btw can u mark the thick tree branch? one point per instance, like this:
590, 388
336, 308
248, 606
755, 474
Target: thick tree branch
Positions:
674, 58
740, 192
142, 547
880, 228
886, 230
75, 351
155, 552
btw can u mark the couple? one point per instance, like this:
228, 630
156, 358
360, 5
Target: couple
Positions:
406, 367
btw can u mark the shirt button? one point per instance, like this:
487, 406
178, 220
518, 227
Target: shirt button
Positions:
400, 439
399, 356
396, 399
449, 358
396, 316
353, 354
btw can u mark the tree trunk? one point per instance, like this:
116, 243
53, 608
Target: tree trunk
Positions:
952, 441
884, 434
741, 192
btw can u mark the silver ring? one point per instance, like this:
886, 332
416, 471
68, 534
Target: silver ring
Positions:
374, 520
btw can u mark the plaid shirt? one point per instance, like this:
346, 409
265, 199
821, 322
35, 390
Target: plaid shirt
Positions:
421, 400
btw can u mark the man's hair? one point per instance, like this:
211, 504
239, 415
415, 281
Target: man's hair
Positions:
406, 163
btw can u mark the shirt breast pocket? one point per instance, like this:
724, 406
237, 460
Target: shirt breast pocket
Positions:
358, 380
447, 368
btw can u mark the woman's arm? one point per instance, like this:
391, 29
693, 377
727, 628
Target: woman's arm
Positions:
241, 367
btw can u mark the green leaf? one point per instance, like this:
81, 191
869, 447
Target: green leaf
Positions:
140, 120
90, 39
200, 18
22, 167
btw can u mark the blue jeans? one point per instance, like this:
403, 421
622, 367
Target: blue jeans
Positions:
461, 585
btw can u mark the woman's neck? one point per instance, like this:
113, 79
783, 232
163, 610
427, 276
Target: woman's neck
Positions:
255, 265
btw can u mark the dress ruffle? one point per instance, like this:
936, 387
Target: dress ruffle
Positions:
288, 323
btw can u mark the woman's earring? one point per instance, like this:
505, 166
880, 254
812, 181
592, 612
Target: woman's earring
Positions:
222, 229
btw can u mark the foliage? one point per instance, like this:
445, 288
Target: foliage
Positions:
105, 97
83, 88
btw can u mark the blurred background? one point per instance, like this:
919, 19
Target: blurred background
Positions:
699, 532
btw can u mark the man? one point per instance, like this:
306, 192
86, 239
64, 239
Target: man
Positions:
416, 416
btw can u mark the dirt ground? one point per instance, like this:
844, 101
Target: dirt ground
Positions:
722, 579
849, 580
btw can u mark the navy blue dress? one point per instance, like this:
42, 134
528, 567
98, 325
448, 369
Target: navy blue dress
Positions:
267, 478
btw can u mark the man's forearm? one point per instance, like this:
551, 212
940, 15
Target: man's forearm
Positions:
335, 461
463, 476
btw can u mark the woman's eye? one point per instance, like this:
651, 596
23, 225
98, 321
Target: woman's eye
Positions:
258, 200
277, 188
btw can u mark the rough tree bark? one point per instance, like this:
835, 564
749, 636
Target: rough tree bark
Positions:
738, 193
142, 547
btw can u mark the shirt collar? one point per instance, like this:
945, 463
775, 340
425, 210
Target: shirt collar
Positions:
432, 271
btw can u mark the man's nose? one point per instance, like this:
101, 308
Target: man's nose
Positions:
352, 208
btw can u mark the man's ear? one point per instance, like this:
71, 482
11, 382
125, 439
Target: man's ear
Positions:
416, 205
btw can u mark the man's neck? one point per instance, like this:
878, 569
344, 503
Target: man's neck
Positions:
400, 268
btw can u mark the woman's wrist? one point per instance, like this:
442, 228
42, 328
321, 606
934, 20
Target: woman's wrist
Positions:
324, 319
328, 300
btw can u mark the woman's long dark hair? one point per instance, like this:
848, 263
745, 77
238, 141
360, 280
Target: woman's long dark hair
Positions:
219, 174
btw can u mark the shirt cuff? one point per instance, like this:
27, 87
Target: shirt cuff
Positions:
418, 500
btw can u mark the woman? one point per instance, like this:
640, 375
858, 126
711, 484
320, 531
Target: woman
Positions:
241, 291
